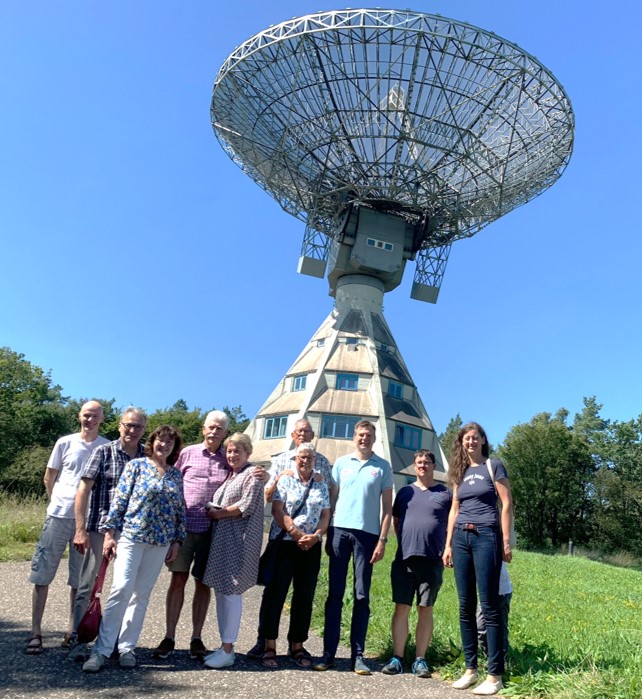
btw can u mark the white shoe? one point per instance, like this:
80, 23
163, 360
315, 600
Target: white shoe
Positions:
465, 681
219, 659
95, 663
487, 688
127, 659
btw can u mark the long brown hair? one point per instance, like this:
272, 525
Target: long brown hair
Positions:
459, 461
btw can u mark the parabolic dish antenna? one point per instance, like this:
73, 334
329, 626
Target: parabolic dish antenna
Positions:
391, 134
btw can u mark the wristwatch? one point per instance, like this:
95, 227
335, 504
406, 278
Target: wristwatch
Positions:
383, 539
320, 537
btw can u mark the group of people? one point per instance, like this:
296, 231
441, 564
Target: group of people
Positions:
200, 510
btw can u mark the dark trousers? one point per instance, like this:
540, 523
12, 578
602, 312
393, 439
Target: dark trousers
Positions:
301, 569
477, 561
341, 545
504, 612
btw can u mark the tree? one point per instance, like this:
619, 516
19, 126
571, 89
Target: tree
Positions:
447, 438
551, 472
31, 406
187, 422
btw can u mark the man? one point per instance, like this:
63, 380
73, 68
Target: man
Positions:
204, 469
62, 476
420, 518
283, 465
97, 487
364, 482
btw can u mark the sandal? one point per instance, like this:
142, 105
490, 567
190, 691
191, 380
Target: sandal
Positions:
34, 645
268, 659
301, 657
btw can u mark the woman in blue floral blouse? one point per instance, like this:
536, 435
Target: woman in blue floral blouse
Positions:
301, 512
148, 510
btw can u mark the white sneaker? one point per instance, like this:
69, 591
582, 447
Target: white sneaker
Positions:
219, 659
465, 681
95, 663
127, 659
487, 688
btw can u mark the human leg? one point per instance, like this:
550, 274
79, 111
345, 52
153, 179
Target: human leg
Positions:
364, 545
88, 571
277, 591
306, 566
466, 591
174, 602
339, 548
487, 561
145, 576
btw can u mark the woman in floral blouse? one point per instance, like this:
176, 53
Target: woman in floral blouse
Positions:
301, 512
148, 510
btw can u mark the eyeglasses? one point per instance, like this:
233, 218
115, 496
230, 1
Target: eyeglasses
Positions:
132, 426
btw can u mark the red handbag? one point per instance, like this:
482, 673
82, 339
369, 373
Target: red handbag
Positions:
90, 623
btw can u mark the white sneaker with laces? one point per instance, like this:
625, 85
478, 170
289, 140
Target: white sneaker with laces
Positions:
219, 659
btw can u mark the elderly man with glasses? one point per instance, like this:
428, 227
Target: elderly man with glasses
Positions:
97, 488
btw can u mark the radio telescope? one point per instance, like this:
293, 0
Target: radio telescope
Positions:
391, 134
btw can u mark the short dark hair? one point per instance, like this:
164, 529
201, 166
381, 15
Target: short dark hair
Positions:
172, 433
424, 452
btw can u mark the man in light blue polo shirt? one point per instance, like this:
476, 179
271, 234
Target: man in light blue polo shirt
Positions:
362, 519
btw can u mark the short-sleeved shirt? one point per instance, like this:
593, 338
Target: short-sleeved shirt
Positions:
68, 457
285, 461
104, 468
360, 486
148, 507
423, 519
203, 474
290, 491
477, 495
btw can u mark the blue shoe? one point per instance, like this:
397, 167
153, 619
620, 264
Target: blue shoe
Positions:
394, 667
359, 666
420, 668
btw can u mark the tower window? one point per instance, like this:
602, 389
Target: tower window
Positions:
298, 382
395, 389
347, 382
338, 426
407, 437
275, 427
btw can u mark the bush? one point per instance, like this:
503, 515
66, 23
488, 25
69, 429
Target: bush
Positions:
24, 475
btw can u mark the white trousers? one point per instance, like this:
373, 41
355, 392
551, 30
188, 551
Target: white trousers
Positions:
136, 569
228, 612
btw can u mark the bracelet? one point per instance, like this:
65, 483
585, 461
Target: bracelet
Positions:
291, 529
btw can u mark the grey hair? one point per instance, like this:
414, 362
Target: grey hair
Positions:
219, 416
136, 411
306, 446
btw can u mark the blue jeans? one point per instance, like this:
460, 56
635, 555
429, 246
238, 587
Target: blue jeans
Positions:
341, 545
477, 559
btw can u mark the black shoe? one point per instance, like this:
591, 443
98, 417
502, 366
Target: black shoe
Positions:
257, 650
197, 649
164, 650
326, 662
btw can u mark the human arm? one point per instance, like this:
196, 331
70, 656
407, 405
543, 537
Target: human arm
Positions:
81, 538
504, 494
452, 517
270, 488
395, 525
307, 541
51, 476
109, 544
386, 519
261, 474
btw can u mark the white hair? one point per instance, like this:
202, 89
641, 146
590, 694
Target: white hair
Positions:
219, 416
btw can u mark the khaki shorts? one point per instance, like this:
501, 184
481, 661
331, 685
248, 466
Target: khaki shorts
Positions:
56, 533
195, 549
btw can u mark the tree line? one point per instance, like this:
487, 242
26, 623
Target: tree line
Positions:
578, 480
34, 413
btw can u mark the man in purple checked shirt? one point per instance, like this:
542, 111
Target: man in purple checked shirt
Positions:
204, 469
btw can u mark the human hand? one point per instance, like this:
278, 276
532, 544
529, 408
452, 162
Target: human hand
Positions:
261, 474
81, 541
307, 541
379, 552
109, 547
507, 553
447, 558
172, 552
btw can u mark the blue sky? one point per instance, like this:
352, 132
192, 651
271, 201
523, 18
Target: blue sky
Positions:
138, 262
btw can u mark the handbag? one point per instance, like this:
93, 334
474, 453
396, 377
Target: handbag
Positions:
267, 562
511, 533
90, 622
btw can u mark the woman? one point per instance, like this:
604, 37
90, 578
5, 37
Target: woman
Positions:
475, 546
148, 509
301, 512
237, 535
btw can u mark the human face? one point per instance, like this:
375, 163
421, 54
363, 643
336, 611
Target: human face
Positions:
303, 433
236, 456
214, 431
305, 463
91, 416
424, 467
473, 442
163, 446
364, 439
131, 429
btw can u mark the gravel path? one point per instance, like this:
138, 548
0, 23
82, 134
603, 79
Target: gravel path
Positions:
53, 675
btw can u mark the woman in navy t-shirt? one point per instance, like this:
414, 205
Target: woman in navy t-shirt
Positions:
475, 548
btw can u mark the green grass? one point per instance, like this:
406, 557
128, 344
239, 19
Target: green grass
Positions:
575, 627
20, 526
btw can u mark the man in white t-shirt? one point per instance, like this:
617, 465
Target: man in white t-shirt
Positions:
62, 477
